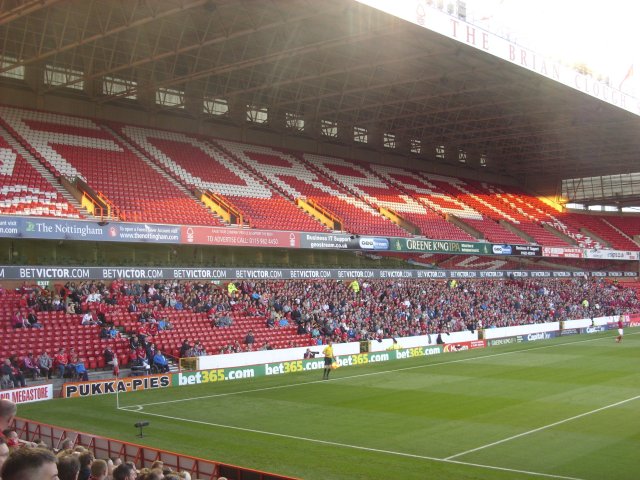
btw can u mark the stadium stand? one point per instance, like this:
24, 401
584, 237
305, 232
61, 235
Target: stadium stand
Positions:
77, 147
598, 227
263, 184
59, 330
544, 215
627, 225
196, 163
432, 223
296, 179
485, 219
362, 181
24, 191
428, 128
291, 313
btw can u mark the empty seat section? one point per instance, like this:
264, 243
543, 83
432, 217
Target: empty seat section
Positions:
432, 223
296, 179
599, 227
630, 226
375, 185
487, 224
194, 162
73, 146
545, 215
24, 191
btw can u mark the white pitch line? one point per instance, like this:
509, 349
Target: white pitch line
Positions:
139, 410
539, 429
358, 447
428, 365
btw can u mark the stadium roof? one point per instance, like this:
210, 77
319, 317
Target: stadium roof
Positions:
336, 60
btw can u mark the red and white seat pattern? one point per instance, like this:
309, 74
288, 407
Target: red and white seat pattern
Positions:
522, 217
194, 162
380, 186
290, 174
23, 191
485, 217
543, 214
72, 146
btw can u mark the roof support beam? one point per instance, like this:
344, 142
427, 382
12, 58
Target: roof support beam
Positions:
106, 33
25, 8
187, 48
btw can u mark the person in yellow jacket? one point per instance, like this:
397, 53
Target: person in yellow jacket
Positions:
329, 358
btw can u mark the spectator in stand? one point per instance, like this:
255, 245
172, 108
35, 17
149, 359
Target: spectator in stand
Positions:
57, 304
125, 471
185, 348
197, 350
134, 342
249, 339
132, 308
81, 372
68, 466
86, 459
60, 361
32, 319
89, 318
164, 324
31, 366
150, 351
112, 463
8, 411
19, 320
14, 373
72, 362
14, 442
101, 312
99, 470
161, 362
113, 331
45, 363
108, 355
66, 447
30, 464
221, 319
94, 296
283, 322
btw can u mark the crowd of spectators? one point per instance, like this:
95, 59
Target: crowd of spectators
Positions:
22, 459
373, 309
349, 311
321, 310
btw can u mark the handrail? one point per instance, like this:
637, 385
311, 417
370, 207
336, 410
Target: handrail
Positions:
232, 212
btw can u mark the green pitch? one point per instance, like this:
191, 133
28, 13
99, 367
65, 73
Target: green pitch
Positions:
567, 408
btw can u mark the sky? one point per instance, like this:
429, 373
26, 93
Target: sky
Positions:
601, 34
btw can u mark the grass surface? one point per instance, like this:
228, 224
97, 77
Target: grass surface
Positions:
563, 408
